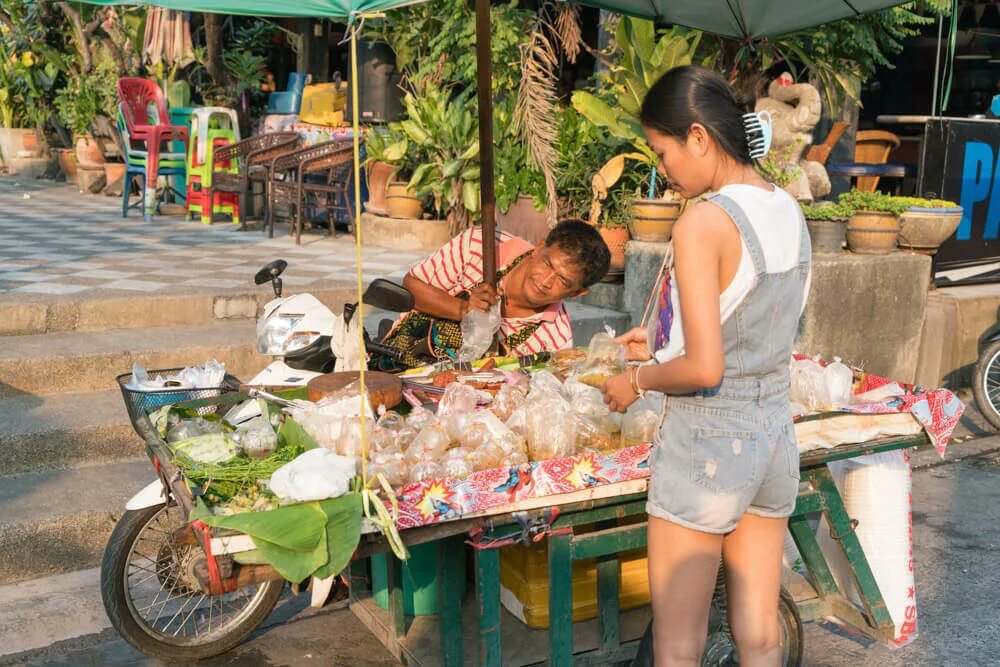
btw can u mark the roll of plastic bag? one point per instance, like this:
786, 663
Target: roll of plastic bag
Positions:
876, 492
315, 475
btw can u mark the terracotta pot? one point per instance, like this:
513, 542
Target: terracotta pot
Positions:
653, 219
872, 232
522, 220
88, 152
13, 140
397, 188
404, 206
67, 162
827, 236
114, 171
924, 229
616, 238
29, 142
379, 174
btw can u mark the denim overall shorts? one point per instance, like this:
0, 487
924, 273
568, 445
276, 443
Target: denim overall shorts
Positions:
730, 450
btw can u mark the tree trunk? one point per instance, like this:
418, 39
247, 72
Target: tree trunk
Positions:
213, 47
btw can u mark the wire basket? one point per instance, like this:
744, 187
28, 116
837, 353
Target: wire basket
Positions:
140, 403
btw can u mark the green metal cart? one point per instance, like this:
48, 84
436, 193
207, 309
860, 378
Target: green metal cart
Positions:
613, 638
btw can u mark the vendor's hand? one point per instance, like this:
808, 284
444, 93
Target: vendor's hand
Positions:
636, 348
481, 298
618, 393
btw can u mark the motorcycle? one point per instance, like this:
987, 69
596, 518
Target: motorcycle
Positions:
149, 572
986, 376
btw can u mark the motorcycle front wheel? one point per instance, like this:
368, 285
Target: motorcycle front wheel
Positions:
152, 597
986, 384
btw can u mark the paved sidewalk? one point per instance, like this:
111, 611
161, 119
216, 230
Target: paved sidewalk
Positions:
55, 241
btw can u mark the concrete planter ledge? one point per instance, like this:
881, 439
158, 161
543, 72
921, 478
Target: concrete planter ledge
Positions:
405, 234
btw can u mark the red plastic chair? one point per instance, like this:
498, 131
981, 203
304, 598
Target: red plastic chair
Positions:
138, 96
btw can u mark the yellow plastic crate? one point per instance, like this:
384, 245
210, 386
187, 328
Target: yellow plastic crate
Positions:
323, 104
524, 584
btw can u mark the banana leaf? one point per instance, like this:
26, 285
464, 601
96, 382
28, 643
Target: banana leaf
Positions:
316, 538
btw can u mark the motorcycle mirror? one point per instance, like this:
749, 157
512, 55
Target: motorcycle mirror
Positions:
270, 272
387, 295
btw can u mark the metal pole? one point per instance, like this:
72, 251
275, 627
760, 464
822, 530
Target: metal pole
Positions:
484, 77
937, 67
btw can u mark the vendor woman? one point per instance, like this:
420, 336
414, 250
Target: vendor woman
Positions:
725, 467
532, 282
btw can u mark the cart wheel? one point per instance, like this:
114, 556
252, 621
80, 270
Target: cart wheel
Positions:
153, 600
719, 647
986, 384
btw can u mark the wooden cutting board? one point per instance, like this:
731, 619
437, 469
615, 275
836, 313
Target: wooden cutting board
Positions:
383, 388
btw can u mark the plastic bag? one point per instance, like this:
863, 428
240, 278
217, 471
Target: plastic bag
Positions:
256, 438
424, 470
430, 444
551, 429
209, 374
478, 331
544, 382
605, 359
315, 475
639, 424
349, 442
391, 421
839, 382
808, 384
207, 448
485, 429
455, 408
592, 435
396, 473
420, 417
508, 399
456, 466
183, 429
589, 402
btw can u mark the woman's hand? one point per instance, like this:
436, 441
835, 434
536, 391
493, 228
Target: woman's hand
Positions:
636, 348
618, 392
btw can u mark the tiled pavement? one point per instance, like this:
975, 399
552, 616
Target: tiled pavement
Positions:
56, 242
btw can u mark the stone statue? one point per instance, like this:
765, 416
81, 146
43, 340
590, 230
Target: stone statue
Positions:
795, 109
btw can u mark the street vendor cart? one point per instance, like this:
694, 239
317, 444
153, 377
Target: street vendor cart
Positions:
181, 582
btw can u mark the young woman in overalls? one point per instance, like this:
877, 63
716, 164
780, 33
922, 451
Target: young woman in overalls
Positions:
725, 467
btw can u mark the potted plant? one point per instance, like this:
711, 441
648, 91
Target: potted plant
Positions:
874, 222
927, 223
24, 90
652, 218
76, 105
443, 133
610, 209
520, 193
826, 222
385, 151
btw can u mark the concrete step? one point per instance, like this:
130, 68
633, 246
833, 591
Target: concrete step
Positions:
75, 361
24, 314
58, 521
64, 430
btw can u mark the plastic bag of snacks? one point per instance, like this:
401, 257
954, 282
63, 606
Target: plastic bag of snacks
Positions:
808, 384
457, 404
429, 445
640, 423
605, 359
256, 438
508, 399
839, 383
478, 330
551, 429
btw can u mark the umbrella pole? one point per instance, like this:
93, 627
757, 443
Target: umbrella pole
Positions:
359, 313
484, 76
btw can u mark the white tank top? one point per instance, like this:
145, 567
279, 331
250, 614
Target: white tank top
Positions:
776, 220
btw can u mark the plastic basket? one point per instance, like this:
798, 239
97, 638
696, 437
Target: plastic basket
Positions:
140, 403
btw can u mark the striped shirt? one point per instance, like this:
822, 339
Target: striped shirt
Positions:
458, 266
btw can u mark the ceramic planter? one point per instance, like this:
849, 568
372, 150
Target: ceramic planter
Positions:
67, 162
827, 236
653, 219
522, 220
872, 232
15, 142
924, 229
404, 206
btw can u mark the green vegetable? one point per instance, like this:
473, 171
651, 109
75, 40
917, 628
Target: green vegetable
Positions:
226, 480
209, 448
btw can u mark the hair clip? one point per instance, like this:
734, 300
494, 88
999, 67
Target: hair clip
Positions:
758, 130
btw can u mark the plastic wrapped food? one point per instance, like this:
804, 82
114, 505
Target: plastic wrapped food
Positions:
256, 438
605, 359
383, 439
394, 471
839, 382
391, 421
478, 330
457, 404
545, 382
424, 470
184, 429
592, 435
639, 424
509, 398
480, 460
589, 402
207, 448
349, 442
518, 421
551, 429
405, 436
430, 444
420, 417
456, 467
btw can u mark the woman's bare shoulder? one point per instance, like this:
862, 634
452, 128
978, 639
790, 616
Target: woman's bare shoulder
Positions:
701, 222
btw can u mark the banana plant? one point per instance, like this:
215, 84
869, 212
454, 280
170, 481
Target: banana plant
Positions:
443, 129
642, 58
